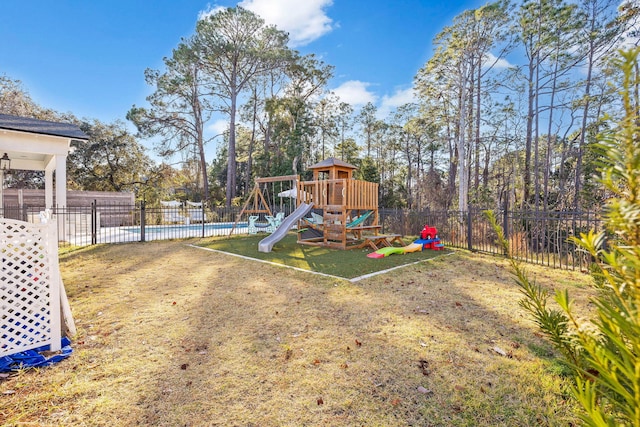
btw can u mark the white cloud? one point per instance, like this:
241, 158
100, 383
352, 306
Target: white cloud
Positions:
218, 127
305, 20
491, 60
400, 97
355, 92
209, 12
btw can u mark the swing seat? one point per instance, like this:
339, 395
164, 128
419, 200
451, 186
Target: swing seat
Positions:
274, 221
254, 227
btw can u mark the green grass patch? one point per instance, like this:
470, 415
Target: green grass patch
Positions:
348, 264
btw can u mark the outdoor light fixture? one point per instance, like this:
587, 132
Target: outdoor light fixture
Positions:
5, 163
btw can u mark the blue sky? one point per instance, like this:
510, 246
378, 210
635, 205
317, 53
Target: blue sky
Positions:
88, 57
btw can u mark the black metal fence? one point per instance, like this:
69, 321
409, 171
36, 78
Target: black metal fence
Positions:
540, 237
118, 223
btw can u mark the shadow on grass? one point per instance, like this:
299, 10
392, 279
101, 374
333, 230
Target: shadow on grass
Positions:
348, 264
237, 344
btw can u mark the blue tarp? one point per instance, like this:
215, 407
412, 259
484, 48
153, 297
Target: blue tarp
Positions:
33, 358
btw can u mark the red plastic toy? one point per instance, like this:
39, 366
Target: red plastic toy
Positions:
429, 239
429, 232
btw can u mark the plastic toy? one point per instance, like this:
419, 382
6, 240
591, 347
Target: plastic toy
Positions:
428, 240
383, 252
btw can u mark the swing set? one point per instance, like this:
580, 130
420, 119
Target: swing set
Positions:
334, 192
264, 192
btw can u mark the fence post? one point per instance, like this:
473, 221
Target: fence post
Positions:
143, 220
505, 223
204, 217
94, 222
469, 229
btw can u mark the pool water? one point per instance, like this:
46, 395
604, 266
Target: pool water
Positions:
157, 232
161, 229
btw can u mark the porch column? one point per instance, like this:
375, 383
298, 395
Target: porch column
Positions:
61, 181
48, 188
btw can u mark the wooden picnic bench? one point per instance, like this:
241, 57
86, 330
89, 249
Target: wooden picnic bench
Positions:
381, 241
357, 231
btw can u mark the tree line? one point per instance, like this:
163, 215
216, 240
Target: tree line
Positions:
505, 113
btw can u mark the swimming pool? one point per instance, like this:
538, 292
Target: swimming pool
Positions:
191, 228
158, 232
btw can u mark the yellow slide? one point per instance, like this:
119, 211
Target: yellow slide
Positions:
414, 247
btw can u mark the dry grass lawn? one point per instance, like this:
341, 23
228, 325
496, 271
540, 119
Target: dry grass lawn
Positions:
173, 335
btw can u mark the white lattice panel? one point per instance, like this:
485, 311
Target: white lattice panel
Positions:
29, 286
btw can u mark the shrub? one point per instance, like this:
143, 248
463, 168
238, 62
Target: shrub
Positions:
604, 351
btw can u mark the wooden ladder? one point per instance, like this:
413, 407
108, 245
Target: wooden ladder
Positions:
335, 218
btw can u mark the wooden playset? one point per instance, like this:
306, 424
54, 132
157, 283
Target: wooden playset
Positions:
333, 210
346, 209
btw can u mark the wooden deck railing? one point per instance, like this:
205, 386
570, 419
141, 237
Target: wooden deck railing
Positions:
348, 193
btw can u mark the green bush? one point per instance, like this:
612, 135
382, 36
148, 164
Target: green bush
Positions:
603, 351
